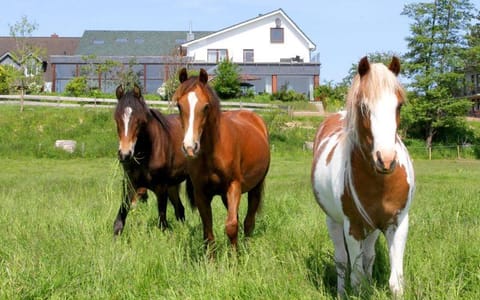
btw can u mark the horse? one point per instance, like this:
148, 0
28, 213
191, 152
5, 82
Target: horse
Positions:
227, 153
150, 154
362, 176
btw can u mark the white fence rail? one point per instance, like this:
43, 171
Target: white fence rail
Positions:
62, 101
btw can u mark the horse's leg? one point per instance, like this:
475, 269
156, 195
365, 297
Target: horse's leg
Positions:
141, 194
225, 201
234, 193
396, 239
341, 259
161, 193
204, 207
254, 201
369, 252
355, 256
173, 195
128, 193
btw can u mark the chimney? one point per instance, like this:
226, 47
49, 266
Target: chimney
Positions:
190, 34
54, 35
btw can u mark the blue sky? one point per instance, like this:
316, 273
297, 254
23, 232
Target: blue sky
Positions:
343, 30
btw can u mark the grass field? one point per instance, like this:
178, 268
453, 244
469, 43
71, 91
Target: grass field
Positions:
56, 242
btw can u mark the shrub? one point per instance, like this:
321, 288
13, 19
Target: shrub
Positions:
288, 95
4, 80
226, 82
76, 87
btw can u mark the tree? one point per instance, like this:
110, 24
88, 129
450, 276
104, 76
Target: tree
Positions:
332, 95
227, 80
378, 57
435, 66
27, 55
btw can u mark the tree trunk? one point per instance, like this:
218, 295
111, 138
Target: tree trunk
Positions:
22, 98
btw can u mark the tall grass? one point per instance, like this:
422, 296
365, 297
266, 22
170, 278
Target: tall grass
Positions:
57, 212
56, 238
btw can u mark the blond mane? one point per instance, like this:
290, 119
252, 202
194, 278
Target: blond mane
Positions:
366, 91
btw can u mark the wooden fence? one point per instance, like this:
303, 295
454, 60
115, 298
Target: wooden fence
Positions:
62, 101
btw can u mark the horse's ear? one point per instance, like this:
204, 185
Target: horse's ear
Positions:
182, 76
137, 91
395, 65
119, 92
203, 77
363, 66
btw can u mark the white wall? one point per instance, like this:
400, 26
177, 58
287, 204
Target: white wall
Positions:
254, 35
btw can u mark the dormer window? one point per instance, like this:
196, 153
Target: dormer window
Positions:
277, 33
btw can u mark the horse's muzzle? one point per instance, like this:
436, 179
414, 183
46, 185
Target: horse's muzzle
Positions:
124, 156
191, 152
383, 165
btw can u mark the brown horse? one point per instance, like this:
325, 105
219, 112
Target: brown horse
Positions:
228, 154
151, 156
362, 175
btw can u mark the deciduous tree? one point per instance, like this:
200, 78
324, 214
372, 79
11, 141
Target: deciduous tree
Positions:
434, 64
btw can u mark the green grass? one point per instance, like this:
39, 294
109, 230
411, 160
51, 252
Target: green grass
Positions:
56, 240
57, 211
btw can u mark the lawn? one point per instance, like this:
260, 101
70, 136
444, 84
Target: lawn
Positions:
56, 241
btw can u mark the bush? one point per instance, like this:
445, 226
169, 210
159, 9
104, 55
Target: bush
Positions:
226, 82
288, 96
4, 80
76, 87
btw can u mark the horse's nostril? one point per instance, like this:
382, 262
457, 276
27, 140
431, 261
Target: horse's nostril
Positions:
379, 159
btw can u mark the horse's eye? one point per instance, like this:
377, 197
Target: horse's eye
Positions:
399, 106
205, 108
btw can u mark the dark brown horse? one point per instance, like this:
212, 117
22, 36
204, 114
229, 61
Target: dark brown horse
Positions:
228, 154
150, 154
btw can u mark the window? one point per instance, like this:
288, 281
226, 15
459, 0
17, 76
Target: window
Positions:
247, 55
121, 40
276, 35
216, 55
98, 42
139, 41
32, 67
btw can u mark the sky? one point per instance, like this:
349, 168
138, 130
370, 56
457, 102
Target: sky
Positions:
342, 30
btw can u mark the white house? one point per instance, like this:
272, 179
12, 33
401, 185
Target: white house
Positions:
269, 38
271, 51
270, 48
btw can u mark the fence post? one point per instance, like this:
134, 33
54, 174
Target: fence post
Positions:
458, 151
429, 152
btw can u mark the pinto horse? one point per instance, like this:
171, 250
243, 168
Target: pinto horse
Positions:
151, 156
227, 154
362, 175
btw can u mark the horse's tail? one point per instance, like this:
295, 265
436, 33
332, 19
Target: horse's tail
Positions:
190, 194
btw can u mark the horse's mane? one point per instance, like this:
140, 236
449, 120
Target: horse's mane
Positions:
367, 90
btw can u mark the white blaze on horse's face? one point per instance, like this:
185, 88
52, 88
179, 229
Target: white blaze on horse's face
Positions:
383, 120
127, 114
190, 144
127, 144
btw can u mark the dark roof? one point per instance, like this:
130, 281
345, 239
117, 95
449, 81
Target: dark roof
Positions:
53, 45
133, 43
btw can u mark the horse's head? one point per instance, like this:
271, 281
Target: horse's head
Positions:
131, 115
375, 100
197, 104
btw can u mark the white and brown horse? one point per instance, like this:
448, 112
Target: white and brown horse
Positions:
362, 175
